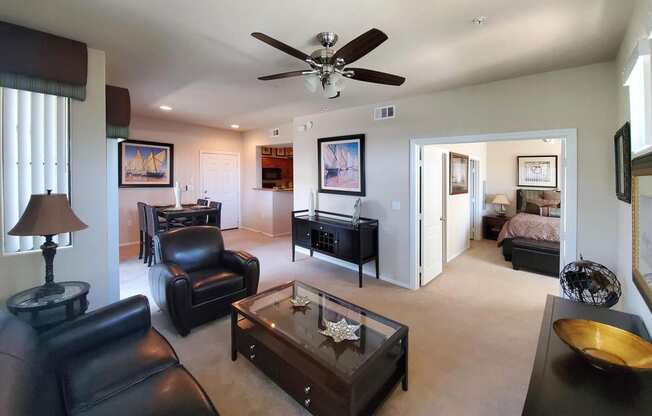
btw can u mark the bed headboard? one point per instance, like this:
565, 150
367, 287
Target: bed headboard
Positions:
522, 195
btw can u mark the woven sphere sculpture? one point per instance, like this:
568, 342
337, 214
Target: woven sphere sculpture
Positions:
591, 283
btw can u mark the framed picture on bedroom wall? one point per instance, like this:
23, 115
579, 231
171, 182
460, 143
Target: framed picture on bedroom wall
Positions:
537, 171
458, 174
623, 151
340, 163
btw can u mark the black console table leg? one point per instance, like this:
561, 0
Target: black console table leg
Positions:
405, 376
359, 275
234, 323
377, 268
293, 252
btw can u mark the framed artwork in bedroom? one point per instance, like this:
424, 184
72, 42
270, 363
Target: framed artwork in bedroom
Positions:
458, 174
623, 151
537, 171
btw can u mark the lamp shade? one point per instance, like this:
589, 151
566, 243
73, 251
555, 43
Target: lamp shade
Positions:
500, 199
47, 214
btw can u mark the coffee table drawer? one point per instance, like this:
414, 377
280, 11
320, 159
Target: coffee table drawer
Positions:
258, 354
316, 398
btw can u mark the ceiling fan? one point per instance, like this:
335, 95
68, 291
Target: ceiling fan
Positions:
327, 66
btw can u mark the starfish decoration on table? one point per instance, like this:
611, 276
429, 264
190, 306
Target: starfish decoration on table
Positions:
300, 301
340, 330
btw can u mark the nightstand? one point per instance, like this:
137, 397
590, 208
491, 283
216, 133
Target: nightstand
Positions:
491, 226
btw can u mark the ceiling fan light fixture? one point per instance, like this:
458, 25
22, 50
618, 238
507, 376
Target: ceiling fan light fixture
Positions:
312, 82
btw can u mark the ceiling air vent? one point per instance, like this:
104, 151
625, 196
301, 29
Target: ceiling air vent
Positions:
383, 113
275, 132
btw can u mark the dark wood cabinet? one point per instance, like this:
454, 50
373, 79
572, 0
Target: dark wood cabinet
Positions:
564, 383
491, 226
334, 235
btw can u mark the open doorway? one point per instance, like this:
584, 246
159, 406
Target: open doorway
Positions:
455, 216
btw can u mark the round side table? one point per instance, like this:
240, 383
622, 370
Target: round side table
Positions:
45, 312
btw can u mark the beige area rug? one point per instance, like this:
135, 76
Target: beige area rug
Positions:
473, 332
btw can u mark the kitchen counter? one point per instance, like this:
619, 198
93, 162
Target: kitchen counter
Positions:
273, 190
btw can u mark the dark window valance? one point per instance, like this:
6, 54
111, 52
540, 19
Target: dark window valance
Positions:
41, 62
118, 112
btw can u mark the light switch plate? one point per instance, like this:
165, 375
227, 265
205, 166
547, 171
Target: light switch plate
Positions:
396, 205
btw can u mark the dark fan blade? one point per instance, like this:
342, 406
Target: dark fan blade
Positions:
360, 46
368, 75
280, 45
282, 75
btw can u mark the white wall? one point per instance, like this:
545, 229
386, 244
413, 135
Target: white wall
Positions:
458, 207
87, 260
257, 205
502, 166
582, 98
188, 141
631, 300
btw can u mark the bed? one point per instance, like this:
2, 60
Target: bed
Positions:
530, 240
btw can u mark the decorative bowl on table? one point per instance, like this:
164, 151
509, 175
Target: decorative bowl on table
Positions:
604, 346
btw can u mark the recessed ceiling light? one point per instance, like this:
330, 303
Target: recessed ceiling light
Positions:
480, 20
165, 108
235, 126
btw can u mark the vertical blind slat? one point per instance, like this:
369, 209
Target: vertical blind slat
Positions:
10, 167
24, 159
35, 157
37, 148
62, 156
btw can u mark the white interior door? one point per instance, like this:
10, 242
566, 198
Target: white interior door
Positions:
220, 181
432, 213
474, 191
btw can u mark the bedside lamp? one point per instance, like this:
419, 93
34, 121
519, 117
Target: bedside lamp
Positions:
48, 215
502, 200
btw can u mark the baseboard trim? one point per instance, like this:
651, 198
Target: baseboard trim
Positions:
351, 267
264, 233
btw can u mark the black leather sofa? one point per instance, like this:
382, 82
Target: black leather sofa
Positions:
108, 362
195, 279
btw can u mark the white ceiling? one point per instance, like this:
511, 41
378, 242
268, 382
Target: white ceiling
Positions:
199, 58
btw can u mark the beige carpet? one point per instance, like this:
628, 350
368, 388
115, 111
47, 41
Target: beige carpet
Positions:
473, 332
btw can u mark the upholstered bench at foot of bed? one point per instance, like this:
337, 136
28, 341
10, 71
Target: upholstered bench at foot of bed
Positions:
536, 255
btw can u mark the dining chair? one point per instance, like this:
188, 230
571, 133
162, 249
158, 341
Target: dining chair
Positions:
142, 229
203, 202
154, 228
215, 219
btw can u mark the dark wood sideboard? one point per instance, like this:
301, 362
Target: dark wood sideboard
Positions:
334, 235
563, 383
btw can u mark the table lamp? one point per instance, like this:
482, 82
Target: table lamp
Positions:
48, 215
502, 200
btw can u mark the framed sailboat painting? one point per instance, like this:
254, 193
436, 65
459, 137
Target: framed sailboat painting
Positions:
145, 164
341, 165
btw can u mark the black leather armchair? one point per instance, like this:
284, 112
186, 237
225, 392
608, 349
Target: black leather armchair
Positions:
196, 279
108, 362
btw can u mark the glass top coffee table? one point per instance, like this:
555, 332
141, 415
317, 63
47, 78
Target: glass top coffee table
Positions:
287, 342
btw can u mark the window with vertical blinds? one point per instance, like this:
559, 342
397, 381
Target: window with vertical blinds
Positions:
34, 141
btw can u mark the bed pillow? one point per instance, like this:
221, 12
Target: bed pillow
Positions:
541, 202
553, 196
556, 195
532, 208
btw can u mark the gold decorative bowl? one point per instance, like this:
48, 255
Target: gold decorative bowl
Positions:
604, 346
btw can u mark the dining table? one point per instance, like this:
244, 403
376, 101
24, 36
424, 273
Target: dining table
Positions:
188, 214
